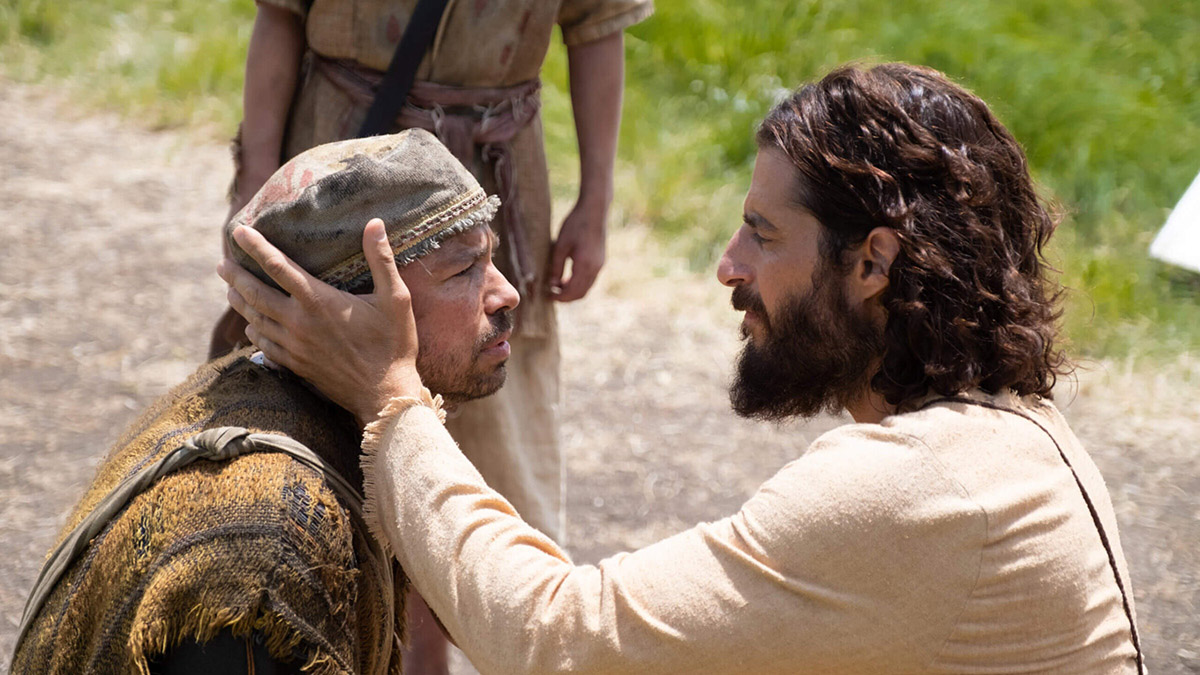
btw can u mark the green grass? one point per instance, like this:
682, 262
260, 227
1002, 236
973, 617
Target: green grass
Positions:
1104, 95
163, 62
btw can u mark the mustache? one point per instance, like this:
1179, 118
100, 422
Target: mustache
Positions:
502, 322
744, 299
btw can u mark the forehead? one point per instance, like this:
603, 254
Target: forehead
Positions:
464, 244
773, 200
774, 183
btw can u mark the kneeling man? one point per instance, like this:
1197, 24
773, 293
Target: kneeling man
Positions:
259, 557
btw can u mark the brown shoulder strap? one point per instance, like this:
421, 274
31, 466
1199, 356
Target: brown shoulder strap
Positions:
401, 72
1087, 498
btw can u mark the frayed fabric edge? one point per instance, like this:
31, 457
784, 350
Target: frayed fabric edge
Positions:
202, 624
374, 436
481, 215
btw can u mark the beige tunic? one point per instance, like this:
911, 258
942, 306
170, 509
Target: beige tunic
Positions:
955, 539
480, 43
511, 436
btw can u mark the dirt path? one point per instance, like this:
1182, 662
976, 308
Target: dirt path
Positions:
107, 294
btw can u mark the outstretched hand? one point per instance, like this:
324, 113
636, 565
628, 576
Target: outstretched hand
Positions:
359, 350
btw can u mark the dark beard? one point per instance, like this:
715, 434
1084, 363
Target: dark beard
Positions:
817, 355
470, 383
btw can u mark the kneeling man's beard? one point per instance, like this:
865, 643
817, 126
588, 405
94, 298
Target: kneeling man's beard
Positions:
460, 378
817, 355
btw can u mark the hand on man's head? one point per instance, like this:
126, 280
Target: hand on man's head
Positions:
359, 350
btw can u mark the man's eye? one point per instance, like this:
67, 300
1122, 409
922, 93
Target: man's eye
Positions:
469, 268
758, 237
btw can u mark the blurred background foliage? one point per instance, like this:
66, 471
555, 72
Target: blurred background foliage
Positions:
1103, 94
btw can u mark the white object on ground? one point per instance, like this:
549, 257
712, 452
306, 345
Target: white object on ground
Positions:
1178, 242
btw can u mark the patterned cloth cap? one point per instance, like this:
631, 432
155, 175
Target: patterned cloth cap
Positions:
315, 207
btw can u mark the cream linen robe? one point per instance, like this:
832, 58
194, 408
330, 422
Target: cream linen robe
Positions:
954, 539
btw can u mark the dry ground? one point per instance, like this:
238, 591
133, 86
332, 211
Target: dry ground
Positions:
107, 294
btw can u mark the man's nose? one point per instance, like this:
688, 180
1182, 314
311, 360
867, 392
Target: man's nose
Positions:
500, 294
731, 271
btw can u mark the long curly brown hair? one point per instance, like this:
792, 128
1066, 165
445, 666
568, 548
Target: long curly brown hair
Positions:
968, 303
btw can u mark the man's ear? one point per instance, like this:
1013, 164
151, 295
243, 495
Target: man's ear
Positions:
876, 255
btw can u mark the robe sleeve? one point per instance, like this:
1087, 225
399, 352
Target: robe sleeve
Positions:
587, 20
853, 557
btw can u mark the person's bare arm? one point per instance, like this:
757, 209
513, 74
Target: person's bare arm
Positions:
597, 73
272, 68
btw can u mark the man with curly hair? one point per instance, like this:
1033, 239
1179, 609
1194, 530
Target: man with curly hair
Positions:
889, 265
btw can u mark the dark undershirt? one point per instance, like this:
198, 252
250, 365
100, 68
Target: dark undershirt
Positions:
223, 654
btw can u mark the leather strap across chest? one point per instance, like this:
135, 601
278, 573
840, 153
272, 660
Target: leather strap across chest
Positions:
1087, 498
216, 445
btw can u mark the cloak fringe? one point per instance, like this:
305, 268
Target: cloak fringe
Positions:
482, 215
202, 624
374, 436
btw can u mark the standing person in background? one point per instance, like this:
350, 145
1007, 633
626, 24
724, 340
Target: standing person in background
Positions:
312, 70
